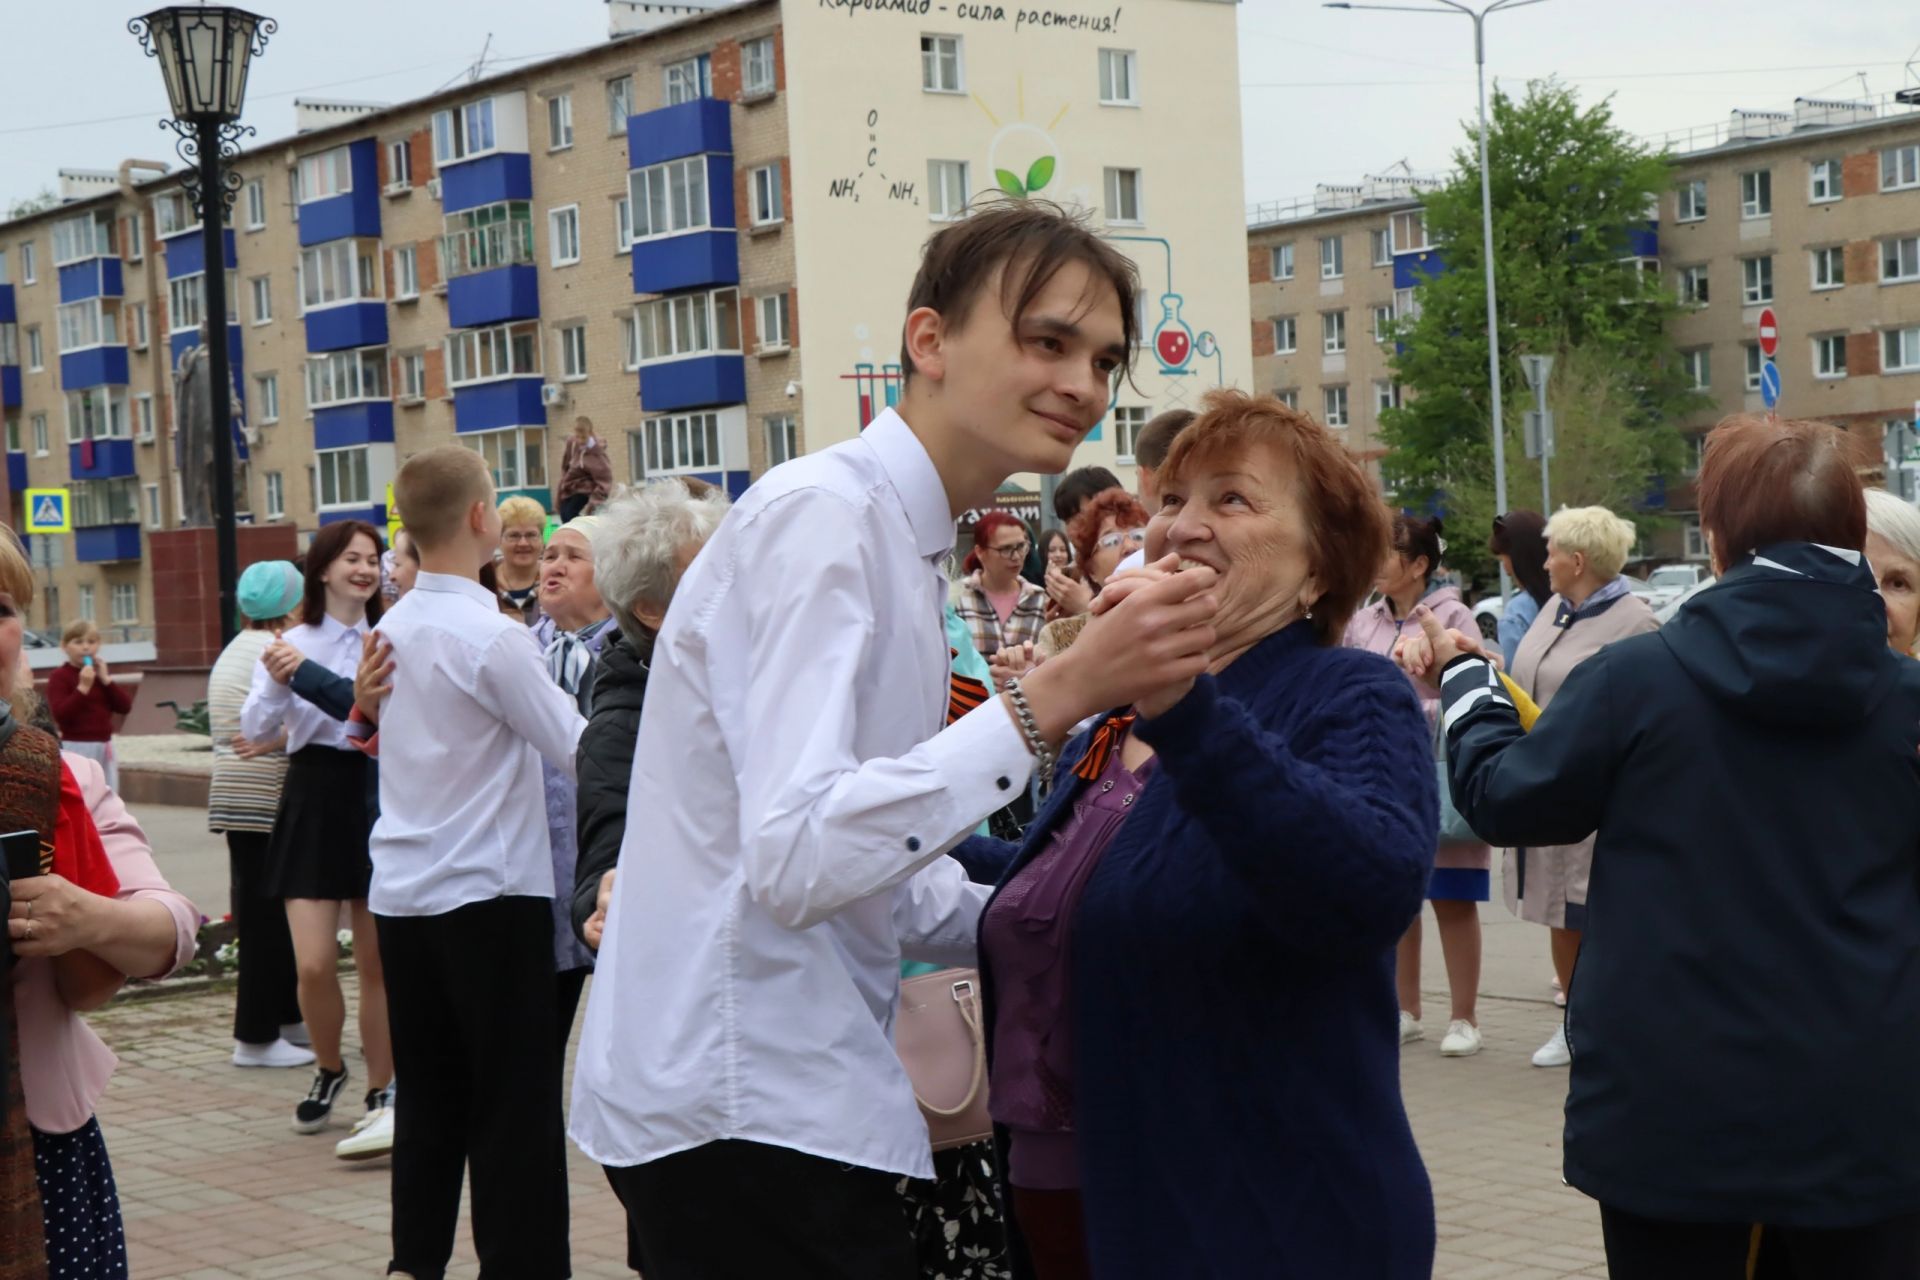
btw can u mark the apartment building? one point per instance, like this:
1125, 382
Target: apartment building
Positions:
640, 233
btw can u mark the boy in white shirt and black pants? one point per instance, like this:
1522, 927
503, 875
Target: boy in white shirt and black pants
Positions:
462, 890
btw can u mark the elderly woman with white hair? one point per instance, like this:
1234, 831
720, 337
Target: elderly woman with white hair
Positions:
647, 538
1591, 607
1893, 549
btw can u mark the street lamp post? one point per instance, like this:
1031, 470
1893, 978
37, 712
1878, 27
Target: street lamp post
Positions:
204, 53
1479, 17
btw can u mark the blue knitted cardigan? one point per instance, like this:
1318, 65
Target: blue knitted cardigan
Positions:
1236, 1040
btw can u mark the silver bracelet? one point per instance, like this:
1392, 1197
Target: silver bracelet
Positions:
1030, 730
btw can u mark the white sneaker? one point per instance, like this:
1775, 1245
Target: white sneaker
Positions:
1555, 1052
1462, 1040
277, 1054
296, 1033
372, 1136
1410, 1028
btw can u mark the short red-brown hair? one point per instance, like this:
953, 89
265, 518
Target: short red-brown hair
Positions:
1347, 523
1765, 481
1084, 528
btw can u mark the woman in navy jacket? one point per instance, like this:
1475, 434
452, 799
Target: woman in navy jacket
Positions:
1745, 1020
1188, 967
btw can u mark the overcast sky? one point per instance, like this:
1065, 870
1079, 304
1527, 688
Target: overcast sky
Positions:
1327, 96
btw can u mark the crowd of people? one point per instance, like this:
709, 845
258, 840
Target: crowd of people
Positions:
1161, 793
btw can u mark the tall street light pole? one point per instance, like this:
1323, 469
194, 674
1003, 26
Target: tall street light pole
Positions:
204, 53
1479, 17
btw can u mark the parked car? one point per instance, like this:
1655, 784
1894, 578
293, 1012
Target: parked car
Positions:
1664, 614
1487, 614
1672, 581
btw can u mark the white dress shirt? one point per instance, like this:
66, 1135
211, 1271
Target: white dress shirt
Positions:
793, 793
269, 705
463, 810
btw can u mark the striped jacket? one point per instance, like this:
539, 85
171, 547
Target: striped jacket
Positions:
245, 794
990, 635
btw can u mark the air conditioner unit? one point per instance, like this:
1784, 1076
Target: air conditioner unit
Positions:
399, 188
552, 393
433, 187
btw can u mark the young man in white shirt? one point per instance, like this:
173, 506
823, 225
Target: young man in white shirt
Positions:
737, 1074
462, 892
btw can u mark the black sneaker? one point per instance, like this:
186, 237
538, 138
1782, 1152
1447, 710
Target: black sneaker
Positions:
316, 1109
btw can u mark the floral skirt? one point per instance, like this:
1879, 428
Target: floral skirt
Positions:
85, 1237
956, 1217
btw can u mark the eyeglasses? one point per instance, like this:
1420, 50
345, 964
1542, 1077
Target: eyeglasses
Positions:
1015, 551
521, 535
1131, 537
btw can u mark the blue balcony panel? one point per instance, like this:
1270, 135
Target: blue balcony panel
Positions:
375, 515
93, 367
671, 133
487, 180
107, 542
16, 471
494, 297
512, 402
92, 278
341, 427
734, 482
187, 254
696, 260
7, 313
111, 459
1644, 242
695, 383
1411, 270
351, 213
351, 324
9, 386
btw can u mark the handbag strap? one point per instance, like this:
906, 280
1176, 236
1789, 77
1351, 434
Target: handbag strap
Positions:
969, 1002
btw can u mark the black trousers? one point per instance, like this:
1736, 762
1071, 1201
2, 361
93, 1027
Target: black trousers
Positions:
1649, 1249
470, 996
568, 985
747, 1211
573, 506
267, 996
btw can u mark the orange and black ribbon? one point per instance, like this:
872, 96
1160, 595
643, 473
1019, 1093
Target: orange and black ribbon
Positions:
964, 693
1106, 740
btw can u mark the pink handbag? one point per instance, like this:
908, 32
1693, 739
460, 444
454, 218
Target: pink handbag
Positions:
939, 1039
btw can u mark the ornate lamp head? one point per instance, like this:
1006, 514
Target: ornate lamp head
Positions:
205, 52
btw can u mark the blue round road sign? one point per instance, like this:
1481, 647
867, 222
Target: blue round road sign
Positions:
1770, 383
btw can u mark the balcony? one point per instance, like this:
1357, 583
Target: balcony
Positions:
347, 425
91, 278
103, 459
347, 324
187, 254
101, 366
694, 382
103, 544
489, 406
491, 275
9, 386
16, 471
354, 212
487, 179
699, 127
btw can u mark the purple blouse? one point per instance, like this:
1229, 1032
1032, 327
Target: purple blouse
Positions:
1026, 936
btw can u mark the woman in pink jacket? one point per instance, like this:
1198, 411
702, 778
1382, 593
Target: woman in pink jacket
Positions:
1461, 869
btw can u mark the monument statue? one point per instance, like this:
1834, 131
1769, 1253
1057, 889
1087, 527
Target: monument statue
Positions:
193, 431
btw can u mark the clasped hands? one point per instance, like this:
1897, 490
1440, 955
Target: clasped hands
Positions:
1425, 655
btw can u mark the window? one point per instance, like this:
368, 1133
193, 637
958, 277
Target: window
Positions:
783, 439
1119, 78
1382, 325
669, 198
493, 235
756, 61
98, 413
1282, 261
573, 352
413, 376
136, 240
267, 395
1699, 367
326, 174
1756, 194
1334, 399
4, 277
1286, 335
1696, 452
86, 600
126, 603
276, 496
563, 235
39, 424
174, 214
13, 435
400, 164
87, 236
1696, 541
689, 79
29, 271
137, 325
1380, 239
93, 323
339, 377
262, 287
763, 195
1333, 332
630, 342
9, 343
1128, 422
36, 359
1410, 231
293, 205
940, 68
1386, 395
143, 417
503, 351
1406, 304
1900, 351
1333, 257
1754, 361
256, 205
560, 122
406, 272
337, 272
1289, 397
619, 103
772, 317
680, 442
1693, 286
343, 477
1756, 280
1900, 259
688, 324
1829, 267
1823, 181
1691, 200
1830, 355
947, 190
623, 225
517, 456
461, 133
1899, 168
1123, 196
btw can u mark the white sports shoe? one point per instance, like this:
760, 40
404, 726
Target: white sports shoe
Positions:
278, 1054
372, 1136
1462, 1040
296, 1033
1555, 1052
1410, 1028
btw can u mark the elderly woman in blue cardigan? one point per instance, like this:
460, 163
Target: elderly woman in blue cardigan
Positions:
1188, 966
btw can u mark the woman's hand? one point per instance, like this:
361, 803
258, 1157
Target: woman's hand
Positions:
1013, 661
247, 750
1070, 595
596, 926
51, 916
1122, 585
374, 679
282, 660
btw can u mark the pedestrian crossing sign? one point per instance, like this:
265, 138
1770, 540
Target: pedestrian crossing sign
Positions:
49, 511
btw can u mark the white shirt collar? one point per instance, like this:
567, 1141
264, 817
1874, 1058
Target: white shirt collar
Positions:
331, 628
447, 582
916, 480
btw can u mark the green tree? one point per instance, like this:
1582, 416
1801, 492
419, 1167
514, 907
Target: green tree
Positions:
1570, 192
26, 206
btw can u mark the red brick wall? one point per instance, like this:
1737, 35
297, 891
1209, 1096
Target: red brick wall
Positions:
420, 145
1262, 338
436, 370
1259, 265
726, 71
1860, 174
1861, 267
793, 317
1863, 354
749, 324
426, 262
779, 60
